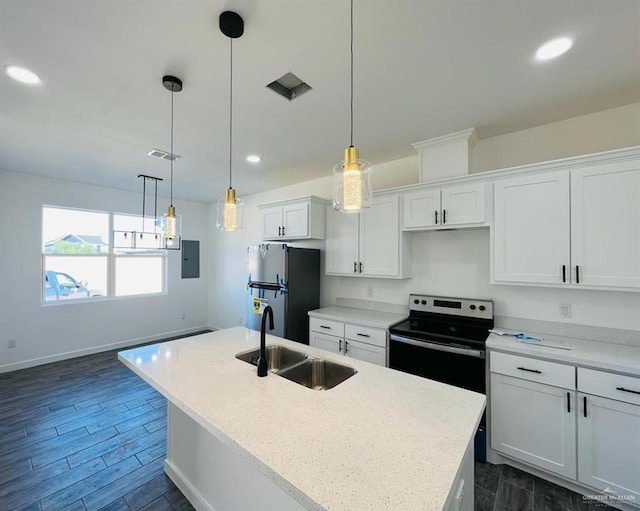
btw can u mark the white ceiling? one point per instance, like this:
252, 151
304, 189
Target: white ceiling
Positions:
423, 68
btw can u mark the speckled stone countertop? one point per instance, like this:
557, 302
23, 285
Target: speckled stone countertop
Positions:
593, 354
381, 440
362, 317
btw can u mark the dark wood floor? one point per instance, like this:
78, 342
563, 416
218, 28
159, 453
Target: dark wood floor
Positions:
88, 434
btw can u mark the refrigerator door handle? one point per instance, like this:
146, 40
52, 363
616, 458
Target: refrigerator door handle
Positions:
270, 286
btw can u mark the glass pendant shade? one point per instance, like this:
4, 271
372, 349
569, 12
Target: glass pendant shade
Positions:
352, 190
171, 229
230, 212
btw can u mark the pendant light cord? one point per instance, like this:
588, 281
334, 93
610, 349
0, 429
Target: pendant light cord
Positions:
230, 104
351, 73
172, 156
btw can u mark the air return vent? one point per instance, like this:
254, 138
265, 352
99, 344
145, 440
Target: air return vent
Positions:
163, 155
289, 86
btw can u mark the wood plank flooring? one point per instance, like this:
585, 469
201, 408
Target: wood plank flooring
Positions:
87, 434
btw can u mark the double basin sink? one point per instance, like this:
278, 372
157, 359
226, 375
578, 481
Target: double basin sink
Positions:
311, 372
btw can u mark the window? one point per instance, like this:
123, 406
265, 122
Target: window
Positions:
81, 262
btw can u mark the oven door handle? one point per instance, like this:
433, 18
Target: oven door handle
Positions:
440, 347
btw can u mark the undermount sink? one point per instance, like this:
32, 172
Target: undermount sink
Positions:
278, 357
314, 373
318, 374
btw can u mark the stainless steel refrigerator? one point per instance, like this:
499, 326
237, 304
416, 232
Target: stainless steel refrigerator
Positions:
287, 279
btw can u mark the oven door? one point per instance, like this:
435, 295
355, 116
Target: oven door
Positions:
454, 365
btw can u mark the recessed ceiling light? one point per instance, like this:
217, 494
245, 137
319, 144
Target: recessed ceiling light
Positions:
554, 48
253, 158
23, 75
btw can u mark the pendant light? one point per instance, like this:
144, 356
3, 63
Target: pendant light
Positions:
130, 239
172, 223
352, 176
230, 209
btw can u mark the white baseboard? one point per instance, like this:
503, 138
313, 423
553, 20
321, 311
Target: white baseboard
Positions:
192, 495
97, 349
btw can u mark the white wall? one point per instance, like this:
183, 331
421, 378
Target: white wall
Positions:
452, 263
47, 333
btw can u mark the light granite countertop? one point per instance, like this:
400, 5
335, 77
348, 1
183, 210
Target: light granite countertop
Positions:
380, 440
607, 356
362, 317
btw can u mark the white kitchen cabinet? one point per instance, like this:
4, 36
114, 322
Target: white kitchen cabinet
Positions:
356, 341
444, 208
294, 219
534, 423
609, 432
531, 229
368, 244
605, 225
572, 228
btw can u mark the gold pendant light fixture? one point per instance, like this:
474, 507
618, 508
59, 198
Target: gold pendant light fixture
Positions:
171, 223
352, 177
230, 209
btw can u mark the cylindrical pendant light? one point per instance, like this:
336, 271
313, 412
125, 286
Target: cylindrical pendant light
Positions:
352, 190
230, 210
172, 223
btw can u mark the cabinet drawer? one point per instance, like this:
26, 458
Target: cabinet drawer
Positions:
326, 326
613, 386
373, 336
532, 369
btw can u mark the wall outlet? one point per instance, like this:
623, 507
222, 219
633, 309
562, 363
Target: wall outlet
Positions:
183, 315
369, 292
565, 310
11, 343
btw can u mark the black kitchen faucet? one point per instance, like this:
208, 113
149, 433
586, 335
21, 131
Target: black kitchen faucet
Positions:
262, 361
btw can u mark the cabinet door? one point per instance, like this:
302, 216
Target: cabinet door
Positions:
380, 237
295, 220
531, 229
326, 342
609, 445
605, 225
463, 205
422, 209
534, 423
367, 352
341, 248
271, 223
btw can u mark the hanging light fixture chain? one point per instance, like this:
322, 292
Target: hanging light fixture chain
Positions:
351, 73
230, 104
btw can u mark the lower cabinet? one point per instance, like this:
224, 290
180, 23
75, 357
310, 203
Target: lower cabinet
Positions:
534, 423
362, 343
541, 424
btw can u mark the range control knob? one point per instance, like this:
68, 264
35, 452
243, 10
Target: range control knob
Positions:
424, 302
482, 307
416, 302
472, 307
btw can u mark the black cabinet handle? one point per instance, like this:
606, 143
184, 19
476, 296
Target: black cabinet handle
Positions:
564, 273
436, 213
283, 230
444, 216
346, 347
360, 264
325, 327
529, 370
339, 345
568, 402
577, 274
627, 390
355, 267
367, 335
585, 405
279, 231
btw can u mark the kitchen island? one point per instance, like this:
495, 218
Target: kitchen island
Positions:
382, 439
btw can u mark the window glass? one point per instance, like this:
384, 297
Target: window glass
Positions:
139, 275
73, 231
74, 277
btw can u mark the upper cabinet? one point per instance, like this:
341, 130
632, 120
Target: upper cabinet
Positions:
577, 227
445, 208
368, 244
302, 218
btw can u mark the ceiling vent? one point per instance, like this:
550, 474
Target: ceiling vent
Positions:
289, 86
163, 155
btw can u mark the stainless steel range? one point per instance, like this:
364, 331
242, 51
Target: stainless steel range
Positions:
444, 340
